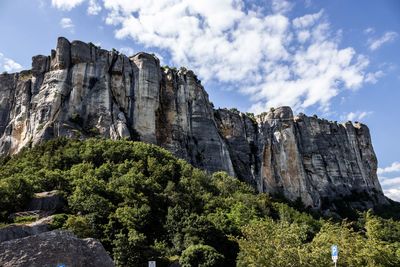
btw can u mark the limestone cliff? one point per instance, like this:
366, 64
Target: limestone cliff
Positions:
82, 90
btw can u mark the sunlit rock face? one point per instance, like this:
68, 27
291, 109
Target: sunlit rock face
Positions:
82, 91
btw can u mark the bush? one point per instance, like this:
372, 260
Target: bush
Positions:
79, 225
201, 256
58, 221
15, 193
26, 219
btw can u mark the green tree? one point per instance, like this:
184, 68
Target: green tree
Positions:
269, 243
201, 256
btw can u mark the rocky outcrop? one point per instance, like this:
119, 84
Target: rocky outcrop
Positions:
61, 248
15, 231
51, 201
82, 91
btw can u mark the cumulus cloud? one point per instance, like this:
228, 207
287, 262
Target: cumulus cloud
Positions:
66, 23
373, 77
390, 185
389, 182
272, 57
127, 51
281, 6
66, 4
393, 193
395, 167
375, 43
9, 65
94, 7
357, 115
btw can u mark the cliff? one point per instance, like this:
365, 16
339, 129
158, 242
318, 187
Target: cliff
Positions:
82, 91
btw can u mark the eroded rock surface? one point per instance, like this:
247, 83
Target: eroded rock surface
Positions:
53, 249
15, 231
82, 91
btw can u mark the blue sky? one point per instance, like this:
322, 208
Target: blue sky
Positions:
337, 59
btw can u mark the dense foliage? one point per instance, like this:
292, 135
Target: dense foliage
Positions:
144, 204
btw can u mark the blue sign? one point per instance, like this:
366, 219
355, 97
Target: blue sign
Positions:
334, 250
60, 265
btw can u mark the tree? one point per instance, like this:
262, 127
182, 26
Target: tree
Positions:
269, 243
201, 256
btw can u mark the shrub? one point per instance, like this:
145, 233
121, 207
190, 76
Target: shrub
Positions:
201, 256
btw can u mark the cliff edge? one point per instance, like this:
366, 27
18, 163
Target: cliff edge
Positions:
81, 91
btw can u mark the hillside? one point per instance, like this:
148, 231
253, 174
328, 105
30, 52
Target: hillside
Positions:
142, 203
82, 91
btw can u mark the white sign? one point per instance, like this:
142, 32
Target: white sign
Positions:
334, 258
152, 263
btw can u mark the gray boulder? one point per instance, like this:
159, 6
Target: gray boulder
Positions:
52, 249
15, 231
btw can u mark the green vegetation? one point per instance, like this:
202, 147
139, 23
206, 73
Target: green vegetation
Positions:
26, 219
234, 110
251, 116
76, 118
144, 204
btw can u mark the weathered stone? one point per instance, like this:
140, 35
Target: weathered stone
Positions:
147, 77
304, 158
80, 52
52, 249
89, 91
40, 65
15, 231
61, 57
52, 201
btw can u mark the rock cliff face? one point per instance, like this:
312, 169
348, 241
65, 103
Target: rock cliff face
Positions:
82, 91
306, 158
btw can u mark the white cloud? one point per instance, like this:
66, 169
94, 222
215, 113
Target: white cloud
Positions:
273, 58
94, 7
373, 77
369, 30
66, 4
307, 20
390, 185
374, 44
66, 23
389, 182
395, 167
281, 6
9, 65
357, 115
127, 51
393, 193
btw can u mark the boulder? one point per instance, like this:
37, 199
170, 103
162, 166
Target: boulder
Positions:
54, 248
15, 231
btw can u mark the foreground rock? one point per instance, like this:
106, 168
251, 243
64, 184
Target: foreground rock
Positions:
82, 91
53, 249
15, 231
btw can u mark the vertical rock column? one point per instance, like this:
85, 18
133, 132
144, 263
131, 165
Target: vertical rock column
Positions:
240, 134
147, 79
282, 169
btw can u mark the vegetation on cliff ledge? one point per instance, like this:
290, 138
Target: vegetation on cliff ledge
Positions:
144, 204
